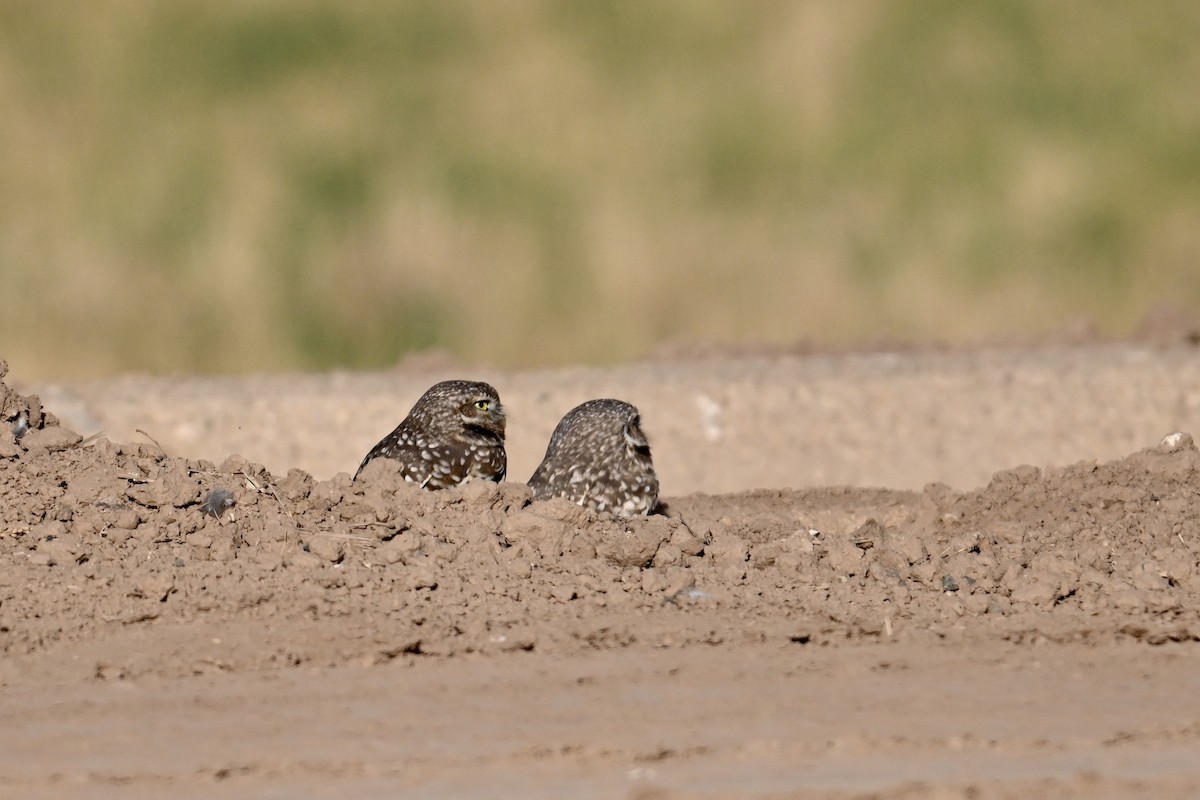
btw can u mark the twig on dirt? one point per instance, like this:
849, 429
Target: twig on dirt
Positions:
151, 438
343, 536
90, 439
270, 490
279, 500
131, 618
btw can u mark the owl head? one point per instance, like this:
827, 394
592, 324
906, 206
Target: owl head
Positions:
599, 457
470, 409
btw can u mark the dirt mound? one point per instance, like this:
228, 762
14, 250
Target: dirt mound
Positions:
207, 628
1118, 541
97, 538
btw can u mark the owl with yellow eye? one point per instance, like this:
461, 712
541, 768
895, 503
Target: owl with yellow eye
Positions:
453, 435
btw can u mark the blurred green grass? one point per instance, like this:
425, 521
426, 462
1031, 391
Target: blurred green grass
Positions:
200, 186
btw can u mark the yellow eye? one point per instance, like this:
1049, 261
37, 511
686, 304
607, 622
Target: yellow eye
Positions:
483, 405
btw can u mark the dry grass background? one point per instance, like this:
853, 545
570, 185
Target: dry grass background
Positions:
304, 184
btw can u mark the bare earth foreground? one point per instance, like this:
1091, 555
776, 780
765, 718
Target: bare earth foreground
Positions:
979, 628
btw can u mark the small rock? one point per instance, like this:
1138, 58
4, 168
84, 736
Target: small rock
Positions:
128, 519
1174, 442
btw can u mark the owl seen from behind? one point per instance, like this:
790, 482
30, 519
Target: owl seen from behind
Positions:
599, 458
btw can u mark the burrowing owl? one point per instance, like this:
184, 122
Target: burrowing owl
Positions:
454, 434
599, 458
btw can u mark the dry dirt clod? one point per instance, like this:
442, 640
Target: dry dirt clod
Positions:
51, 439
842, 556
326, 547
155, 587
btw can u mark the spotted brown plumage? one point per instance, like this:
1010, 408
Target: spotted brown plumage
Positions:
599, 458
454, 434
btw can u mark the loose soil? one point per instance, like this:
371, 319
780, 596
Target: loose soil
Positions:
1033, 635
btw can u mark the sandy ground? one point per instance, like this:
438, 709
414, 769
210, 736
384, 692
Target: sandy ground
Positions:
972, 626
